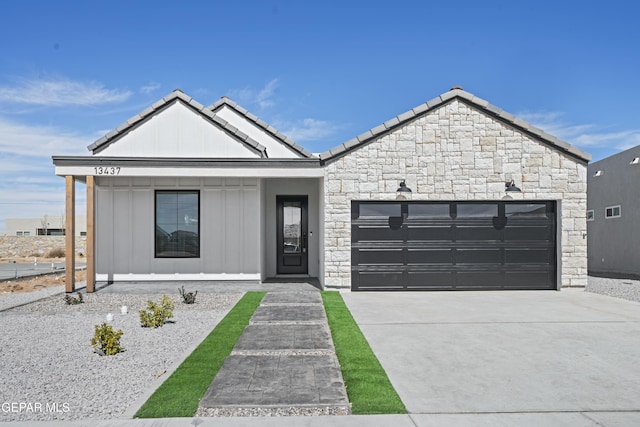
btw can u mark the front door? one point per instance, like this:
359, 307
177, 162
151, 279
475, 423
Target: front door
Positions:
292, 234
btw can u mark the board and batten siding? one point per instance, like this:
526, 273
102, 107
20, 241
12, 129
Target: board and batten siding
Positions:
178, 131
275, 149
229, 223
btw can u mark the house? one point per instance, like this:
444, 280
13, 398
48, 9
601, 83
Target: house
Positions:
47, 225
453, 194
613, 214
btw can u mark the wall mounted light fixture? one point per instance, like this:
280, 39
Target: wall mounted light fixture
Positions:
598, 173
511, 186
635, 161
403, 192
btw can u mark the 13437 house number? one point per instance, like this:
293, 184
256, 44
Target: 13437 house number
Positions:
107, 170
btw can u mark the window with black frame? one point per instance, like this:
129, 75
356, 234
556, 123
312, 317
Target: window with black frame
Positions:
177, 224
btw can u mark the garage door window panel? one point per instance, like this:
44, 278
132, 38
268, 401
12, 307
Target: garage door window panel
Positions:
429, 211
476, 210
528, 210
380, 210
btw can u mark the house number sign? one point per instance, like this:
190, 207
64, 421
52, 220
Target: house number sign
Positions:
107, 170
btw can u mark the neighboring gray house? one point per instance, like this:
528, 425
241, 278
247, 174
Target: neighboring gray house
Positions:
424, 201
613, 214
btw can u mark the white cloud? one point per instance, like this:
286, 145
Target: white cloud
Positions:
307, 129
150, 88
28, 185
40, 141
59, 92
263, 98
582, 135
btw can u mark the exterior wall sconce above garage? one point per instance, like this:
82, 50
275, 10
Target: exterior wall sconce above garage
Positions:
403, 192
511, 186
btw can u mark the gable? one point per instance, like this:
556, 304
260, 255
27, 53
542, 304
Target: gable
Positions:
276, 143
456, 152
177, 131
274, 147
458, 96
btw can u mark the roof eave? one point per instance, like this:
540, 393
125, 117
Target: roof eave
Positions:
439, 101
225, 101
176, 96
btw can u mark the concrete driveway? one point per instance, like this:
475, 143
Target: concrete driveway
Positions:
568, 357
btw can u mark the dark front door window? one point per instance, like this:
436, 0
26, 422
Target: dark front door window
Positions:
292, 236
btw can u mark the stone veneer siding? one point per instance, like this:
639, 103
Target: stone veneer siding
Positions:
455, 152
36, 246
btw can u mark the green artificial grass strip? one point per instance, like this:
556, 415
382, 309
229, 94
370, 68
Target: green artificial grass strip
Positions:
180, 394
368, 387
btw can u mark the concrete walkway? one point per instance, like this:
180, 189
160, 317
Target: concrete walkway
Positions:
283, 364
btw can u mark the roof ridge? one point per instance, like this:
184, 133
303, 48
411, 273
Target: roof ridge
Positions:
225, 100
163, 102
455, 92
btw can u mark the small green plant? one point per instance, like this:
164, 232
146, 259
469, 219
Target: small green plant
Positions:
156, 315
73, 301
187, 297
106, 341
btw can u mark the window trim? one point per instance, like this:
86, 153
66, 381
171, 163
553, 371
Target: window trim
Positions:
612, 212
591, 217
155, 223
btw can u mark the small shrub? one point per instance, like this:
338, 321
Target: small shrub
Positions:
55, 253
106, 341
187, 297
73, 301
156, 315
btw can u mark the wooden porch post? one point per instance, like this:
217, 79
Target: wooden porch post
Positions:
91, 261
70, 235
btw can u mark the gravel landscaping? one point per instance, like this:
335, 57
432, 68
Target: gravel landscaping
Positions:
50, 372
619, 288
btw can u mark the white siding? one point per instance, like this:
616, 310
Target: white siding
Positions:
275, 148
229, 221
178, 131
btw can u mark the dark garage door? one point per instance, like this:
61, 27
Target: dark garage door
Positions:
453, 245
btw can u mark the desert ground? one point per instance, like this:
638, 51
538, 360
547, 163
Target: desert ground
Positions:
29, 284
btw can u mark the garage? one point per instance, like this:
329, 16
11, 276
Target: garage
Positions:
453, 245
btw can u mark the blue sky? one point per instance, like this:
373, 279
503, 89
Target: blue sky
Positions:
321, 72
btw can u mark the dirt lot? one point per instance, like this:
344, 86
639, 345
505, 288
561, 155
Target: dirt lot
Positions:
30, 284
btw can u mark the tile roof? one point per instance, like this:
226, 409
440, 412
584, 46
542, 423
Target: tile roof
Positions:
176, 96
468, 98
265, 126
